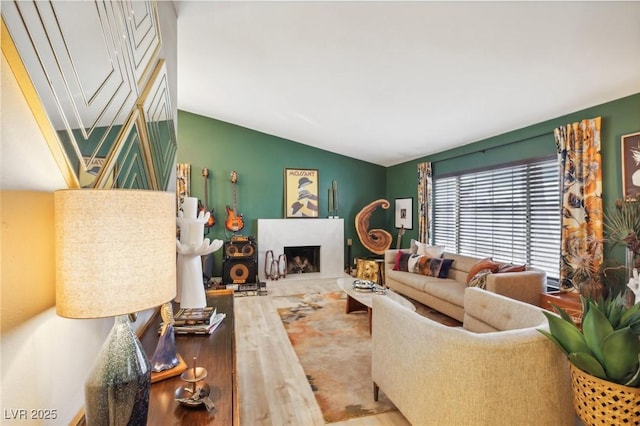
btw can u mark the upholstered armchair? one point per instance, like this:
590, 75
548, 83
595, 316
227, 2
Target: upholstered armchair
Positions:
495, 369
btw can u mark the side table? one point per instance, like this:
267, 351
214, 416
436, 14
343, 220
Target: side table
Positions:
570, 302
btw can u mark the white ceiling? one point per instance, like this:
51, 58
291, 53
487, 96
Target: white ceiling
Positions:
387, 82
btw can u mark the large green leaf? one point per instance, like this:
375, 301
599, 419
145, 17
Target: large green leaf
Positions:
614, 315
634, 379
620, 350
566, 333
595, 328
563, 314
586, 362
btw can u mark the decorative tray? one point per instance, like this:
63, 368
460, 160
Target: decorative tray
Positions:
363, 284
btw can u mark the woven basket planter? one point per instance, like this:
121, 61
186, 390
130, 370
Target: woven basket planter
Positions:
599, 402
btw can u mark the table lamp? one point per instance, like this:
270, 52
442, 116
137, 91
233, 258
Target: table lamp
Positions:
115, 255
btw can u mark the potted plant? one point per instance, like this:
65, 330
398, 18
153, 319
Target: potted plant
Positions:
623, 228
604, 357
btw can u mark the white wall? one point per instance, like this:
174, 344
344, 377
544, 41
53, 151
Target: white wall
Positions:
45, 359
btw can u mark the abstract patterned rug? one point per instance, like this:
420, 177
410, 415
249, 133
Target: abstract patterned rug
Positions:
334, 349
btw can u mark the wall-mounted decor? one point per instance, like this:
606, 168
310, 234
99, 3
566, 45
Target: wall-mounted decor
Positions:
81, 77
130, 166
300, 193
376, 240
630, 145
156, 112
404, 213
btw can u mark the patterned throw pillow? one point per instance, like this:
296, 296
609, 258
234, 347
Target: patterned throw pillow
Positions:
487, 263
439, 267
480, 279
396, 264
509, 267
402, 262
419, 264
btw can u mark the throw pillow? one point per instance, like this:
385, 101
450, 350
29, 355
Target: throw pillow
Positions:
403, 263
396, 265
427, 250
509, 267
487, 263
480, 279
414, 246
439, 267
419, 264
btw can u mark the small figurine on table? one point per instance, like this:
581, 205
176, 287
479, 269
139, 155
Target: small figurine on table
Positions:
165, 356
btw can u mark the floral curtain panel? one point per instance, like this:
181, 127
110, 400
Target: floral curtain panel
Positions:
424, 200
581, 194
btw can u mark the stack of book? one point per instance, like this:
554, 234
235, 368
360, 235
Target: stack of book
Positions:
197, 320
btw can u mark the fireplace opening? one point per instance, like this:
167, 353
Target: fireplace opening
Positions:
302, 259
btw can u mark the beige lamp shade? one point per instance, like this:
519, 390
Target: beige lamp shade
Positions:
115, 251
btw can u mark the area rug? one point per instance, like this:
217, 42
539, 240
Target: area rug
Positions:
334, 349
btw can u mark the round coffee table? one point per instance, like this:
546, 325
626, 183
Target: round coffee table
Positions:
362, 300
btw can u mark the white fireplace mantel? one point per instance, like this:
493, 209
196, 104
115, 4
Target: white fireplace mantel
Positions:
276, 234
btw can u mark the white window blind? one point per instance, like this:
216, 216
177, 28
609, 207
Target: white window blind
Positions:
511, 214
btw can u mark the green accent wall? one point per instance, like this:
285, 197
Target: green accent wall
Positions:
619, 117
260, 160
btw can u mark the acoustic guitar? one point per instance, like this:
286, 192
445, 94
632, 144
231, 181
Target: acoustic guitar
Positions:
400, 234
234, 220
204, 208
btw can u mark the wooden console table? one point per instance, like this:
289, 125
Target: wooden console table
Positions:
570, 302
217, 353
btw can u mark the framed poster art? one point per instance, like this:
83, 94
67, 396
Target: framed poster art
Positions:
630, 145
404, 213
300, 193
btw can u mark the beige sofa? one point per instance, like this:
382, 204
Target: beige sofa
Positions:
446, 295
496, 369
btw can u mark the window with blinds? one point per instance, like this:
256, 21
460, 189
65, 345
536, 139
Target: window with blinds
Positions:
510, 213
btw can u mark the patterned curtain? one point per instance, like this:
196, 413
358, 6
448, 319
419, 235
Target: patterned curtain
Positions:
582, 215
424, 201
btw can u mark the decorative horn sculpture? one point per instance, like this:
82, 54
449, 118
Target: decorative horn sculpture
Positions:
375, 240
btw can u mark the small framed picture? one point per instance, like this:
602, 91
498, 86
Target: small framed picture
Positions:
300, 193
630, 145
404, 213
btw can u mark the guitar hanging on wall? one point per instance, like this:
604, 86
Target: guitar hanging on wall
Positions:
234, 221
204, 208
